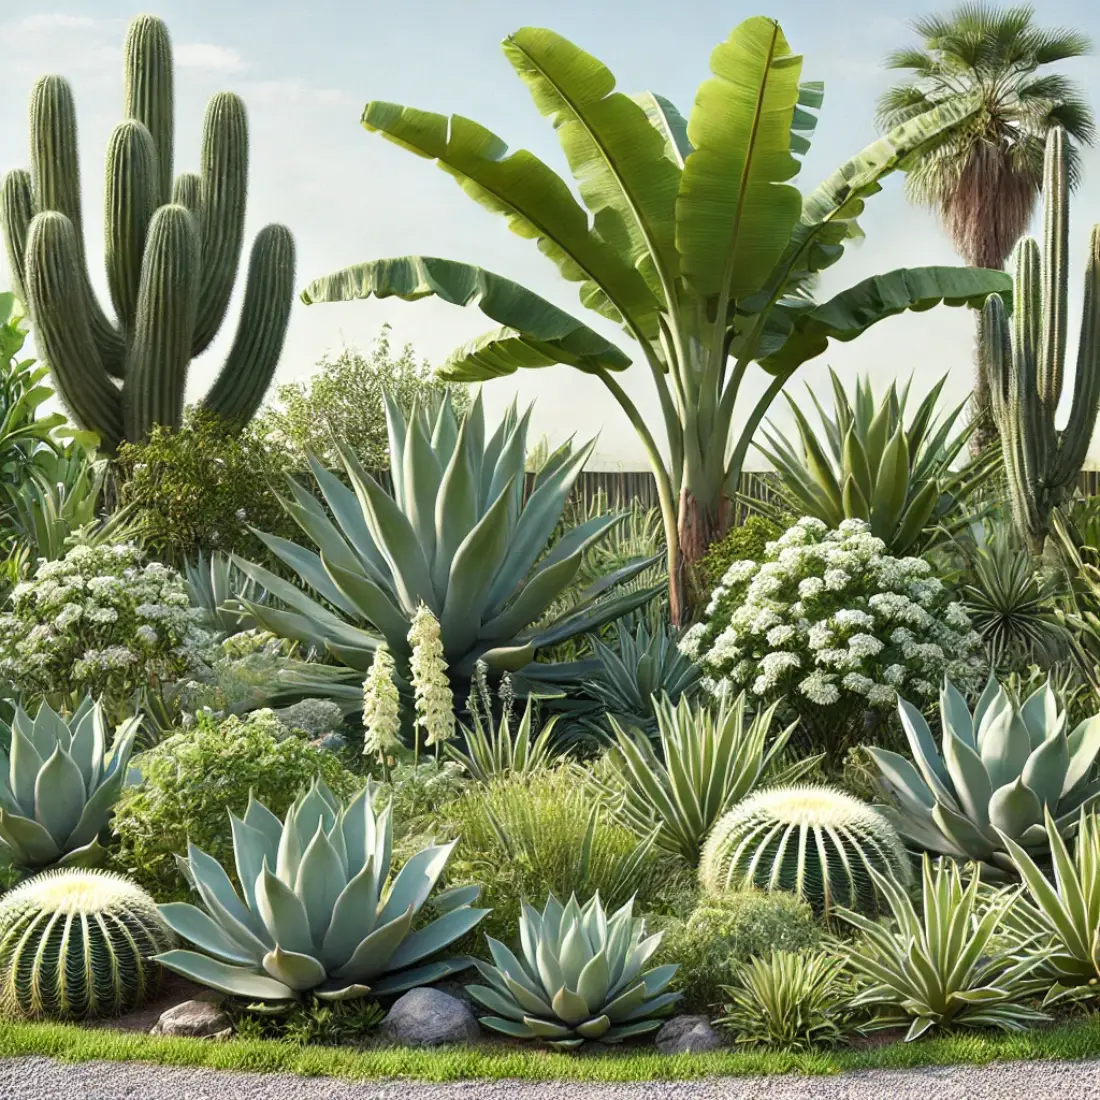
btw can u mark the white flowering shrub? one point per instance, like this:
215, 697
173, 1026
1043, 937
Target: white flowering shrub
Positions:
100, 620
834, 625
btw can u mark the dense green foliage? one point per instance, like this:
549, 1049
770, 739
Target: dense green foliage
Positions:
194, 779
744, 541
723, 931
343, 404
199, 488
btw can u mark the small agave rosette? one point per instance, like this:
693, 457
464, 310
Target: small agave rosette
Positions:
1001, 770
59, 782
581, 976
318, 914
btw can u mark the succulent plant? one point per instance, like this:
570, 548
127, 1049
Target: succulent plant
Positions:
819, 843
1000, 769
897, 476
216, 585
581, 976
59, 782
941, 969
710, 759
173, 248
77, 944
1025, 363
458, 536
318, 914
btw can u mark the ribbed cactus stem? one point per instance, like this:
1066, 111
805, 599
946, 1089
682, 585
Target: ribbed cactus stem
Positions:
131, 189
172, 250
79, 944
58, 309
149, 94
161, 348
224, 194
243, 381
1043, 463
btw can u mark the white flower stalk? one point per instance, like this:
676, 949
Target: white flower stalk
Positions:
381, 706
435, 710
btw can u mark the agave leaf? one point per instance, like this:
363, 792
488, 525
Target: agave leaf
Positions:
192, 924
569, 1006
236, 981
371, 957
1005, 746
1046, 768
427, 941
1014, 808
284, 915
25, 764
321, 880
32, 844
299, 972
496, 1002
415, 881
434, 971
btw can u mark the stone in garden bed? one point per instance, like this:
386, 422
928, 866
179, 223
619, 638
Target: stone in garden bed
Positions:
203, 1019
429, 1018
687, 1035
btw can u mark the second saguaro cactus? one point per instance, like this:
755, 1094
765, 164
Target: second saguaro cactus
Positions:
173, 246
1025, 361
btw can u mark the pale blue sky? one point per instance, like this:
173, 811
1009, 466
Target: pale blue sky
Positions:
306, 69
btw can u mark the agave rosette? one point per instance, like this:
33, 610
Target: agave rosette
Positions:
581, 976
59, 781
318, 913
1001, 770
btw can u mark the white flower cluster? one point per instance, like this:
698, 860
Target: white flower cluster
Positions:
435, 705
101, 620
381, 706
829, 614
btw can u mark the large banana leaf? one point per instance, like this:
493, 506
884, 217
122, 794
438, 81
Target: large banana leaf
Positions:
535, 200
617, 157
853, 311
535, 334
734, 216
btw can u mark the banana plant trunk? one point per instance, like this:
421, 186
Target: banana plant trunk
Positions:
699, 524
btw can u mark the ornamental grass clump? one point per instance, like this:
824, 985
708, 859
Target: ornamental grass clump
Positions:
833, 625
101, 621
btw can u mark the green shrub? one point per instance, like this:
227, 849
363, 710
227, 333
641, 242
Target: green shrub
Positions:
343, 401
723, 932
192, 780
744, 542
199, 489
526, 836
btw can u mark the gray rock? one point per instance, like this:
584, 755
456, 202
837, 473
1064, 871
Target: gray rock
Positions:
429, 1018
687, 1035
195, 1020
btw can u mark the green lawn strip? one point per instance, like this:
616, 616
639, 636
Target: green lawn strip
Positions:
1077, 1040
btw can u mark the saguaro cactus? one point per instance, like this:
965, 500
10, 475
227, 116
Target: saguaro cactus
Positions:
172, 249
1026, 363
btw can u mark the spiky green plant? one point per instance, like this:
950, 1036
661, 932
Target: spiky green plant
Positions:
458, 536
216, 585
581, 976
1026, 363
318, 914
1066, 912
643, 665
877, 467
173, 248
940, 969
819, 843
77, 944
1000, 769
710, 759
59, 782
787, 999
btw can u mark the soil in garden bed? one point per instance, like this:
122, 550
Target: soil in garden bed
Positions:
173, 991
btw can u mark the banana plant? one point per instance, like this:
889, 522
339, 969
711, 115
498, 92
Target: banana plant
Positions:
874, 466
459, 535
691, 237
59, 781
317, 913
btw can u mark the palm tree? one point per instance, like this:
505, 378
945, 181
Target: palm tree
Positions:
984, 178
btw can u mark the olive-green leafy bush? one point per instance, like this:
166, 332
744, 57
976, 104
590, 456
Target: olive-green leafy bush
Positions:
199, 488
743, 542
193, 779
724, 931
343, 402
524, 836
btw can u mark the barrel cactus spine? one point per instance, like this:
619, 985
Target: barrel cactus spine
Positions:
76, 944
173, 248
1025, 362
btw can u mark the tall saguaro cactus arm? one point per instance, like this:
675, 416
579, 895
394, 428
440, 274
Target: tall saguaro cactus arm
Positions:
173, 247
1026, 363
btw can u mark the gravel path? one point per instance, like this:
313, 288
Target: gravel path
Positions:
42, 1079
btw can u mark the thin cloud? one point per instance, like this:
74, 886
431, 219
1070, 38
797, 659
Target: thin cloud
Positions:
208, 57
